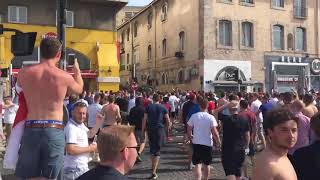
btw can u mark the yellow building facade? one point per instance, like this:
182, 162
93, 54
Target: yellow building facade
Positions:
98, 46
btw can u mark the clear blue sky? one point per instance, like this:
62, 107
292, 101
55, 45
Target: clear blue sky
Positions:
138, 2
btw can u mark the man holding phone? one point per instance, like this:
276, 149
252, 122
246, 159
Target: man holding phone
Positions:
45, 87
77, 147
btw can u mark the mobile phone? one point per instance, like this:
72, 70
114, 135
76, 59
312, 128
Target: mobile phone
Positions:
71, 58
95, 139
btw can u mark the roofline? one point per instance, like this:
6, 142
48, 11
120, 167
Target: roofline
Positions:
140, 12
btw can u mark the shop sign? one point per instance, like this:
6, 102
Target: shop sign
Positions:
287, 79
315, 66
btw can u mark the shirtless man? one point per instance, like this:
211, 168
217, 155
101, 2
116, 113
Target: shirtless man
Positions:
45, 86
111, 112
310, 109
281, 133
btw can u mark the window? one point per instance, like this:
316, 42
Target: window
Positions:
300, 44
278, 3
164, 11
247, 1
17, 14
290, 42
300, 10
69, 19
247, 34
149, 53
122, 37
135, 29
128, 34
164, 78
128, 58
278, 34
149, 20
164, 47
180, 77
122, 59
181, 41
136, 56
225, 33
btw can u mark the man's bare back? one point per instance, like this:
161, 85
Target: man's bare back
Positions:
268, 166
45, 86
310, 110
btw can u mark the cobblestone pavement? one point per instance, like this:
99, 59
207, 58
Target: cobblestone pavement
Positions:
172, 166
173, 162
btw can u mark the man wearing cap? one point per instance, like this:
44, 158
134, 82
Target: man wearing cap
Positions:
45, 86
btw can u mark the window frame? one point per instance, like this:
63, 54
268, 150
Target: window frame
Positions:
128, 34
164, 12
304, 39
303, 9
277, 7
281, 40
149, 20
182, 41
224, 45
66, 25
149, 52
164, 47
135, 29
252, 35
17, 14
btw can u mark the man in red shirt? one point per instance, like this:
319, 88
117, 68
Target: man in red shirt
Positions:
248, 115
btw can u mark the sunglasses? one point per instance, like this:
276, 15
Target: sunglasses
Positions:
132, 147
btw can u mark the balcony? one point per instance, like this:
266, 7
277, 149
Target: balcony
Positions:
300, 12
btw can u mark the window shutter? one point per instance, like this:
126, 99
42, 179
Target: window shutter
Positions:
12, 14
69, 19
22, 14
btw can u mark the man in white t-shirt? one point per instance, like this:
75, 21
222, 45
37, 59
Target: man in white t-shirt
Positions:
77, 147
10, 111
255, 106
173, 101
202, 127
93, 110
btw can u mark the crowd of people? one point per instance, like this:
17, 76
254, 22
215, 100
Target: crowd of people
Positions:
277, 135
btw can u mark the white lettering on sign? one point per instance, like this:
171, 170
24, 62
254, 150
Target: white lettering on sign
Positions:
287, 79
50, 35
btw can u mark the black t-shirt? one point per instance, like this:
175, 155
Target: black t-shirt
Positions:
234, 129
185, 110
156, 113
103, 173
136, 116
122, 103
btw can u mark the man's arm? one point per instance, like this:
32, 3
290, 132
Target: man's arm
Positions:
118, 115
76, 83
144, 123
189, 132
73, 149
247, 137
92, 132
168, 122
216, 137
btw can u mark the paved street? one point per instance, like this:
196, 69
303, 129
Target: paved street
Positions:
173, 163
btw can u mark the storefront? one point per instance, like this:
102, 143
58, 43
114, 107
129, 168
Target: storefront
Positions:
221, 75
286, 73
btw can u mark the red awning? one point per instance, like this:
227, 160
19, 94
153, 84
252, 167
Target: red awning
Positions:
88, 74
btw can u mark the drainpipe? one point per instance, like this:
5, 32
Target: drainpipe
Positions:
155, 41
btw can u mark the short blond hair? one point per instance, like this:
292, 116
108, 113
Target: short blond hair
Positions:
112, 140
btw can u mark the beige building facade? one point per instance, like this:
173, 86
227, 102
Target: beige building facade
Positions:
271, 45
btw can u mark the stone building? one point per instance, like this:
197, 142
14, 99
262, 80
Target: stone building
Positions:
127, 13
271, 45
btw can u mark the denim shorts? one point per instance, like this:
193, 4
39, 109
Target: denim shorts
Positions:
41, 153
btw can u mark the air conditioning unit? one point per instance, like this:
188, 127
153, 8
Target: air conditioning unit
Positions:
179, 54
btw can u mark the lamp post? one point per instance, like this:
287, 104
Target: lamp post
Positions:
61, 12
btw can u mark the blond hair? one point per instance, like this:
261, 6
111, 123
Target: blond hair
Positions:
112, 140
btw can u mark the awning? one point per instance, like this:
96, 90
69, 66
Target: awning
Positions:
234, 83
88, 74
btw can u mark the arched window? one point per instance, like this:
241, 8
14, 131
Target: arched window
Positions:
181, 40
225, 32
149, 53
247, 34
290, 41
278, 33
300, 44
164, 47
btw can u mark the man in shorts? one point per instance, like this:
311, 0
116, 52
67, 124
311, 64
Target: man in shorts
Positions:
202, 129
45, 86
157, 116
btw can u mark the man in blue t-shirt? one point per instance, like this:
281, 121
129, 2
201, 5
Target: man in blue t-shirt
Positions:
155, 117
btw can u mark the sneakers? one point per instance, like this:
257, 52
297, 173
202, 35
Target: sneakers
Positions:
154, 176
